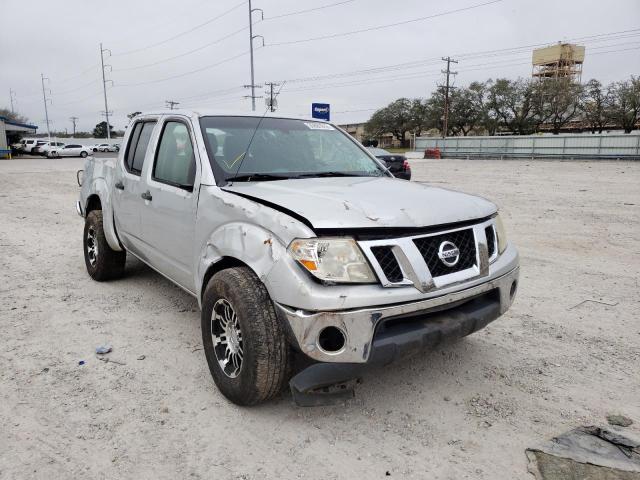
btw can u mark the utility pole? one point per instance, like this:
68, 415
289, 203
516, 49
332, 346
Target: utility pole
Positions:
253, 85
272, 102
104, 87
73, 121
11, 98
448, 72
46, 111
171, 103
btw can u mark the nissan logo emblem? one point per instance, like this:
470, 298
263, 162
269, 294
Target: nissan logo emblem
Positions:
448, 253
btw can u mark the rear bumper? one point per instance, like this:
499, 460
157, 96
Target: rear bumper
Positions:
366, 330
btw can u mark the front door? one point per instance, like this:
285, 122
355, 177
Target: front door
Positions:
169, 213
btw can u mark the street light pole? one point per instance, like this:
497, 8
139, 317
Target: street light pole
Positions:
46, 111
104, 89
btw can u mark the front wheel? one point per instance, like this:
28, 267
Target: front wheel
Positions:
244, 342
84, 154
102, 262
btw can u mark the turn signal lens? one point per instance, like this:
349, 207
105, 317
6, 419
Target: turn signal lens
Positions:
502, 235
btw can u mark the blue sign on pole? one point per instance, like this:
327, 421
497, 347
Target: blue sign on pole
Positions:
321, 111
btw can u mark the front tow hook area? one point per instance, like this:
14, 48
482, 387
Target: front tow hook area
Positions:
330, 383
325, 383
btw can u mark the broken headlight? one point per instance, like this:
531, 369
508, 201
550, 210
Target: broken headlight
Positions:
502, 235
332, 259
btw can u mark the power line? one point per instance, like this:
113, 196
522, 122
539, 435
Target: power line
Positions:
380, 27
298, 12
416, 64
184, 54
181, 34
206, 67
171, 103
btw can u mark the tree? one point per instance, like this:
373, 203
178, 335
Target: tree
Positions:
16, 117
395, 118
512, 104
625, 103
467, 109
596, 106
101, 130
558, 101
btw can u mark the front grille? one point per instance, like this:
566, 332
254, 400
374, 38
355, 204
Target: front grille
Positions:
463, 239
388, 263
491, 240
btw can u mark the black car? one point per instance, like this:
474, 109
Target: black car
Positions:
397, 164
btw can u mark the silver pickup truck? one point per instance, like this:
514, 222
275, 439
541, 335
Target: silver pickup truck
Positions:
300, 246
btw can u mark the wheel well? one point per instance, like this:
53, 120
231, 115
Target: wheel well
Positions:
222, 264
93, 203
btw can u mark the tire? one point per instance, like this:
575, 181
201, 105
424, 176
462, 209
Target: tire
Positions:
84, 154
261, 341
101, 261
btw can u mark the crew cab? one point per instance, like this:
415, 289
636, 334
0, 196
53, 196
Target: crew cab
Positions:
282, 229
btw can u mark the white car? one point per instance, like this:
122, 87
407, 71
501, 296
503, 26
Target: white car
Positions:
44, 149
72, 150
106, 147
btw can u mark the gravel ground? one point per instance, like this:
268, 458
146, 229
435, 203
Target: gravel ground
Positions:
566, 354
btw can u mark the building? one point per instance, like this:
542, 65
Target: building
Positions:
357, 131
563, 60
10, 132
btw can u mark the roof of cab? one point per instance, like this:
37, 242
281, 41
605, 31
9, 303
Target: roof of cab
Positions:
228, 113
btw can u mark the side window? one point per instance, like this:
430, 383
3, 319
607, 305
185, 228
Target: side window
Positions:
131, 147
137, 147
175, 162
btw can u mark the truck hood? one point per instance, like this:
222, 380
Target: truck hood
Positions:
371, 202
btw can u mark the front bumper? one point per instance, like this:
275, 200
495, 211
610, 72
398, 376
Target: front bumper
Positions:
359, 326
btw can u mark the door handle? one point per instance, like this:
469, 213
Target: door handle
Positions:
146, 195
119, 185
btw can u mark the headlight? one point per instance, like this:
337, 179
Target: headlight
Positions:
332, 259
502, 235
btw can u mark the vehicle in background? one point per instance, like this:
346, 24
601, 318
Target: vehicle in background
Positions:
398, 165
37, 148
28, 144
73, 150
107, 147
44, 149
296, 242
116, 146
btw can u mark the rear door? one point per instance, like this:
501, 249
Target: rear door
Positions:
168, 215
128, 188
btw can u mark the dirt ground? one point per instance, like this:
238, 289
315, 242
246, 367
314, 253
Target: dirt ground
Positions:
566, 354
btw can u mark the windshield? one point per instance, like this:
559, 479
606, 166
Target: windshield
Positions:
281, 148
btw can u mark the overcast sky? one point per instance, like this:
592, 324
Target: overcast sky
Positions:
61, 39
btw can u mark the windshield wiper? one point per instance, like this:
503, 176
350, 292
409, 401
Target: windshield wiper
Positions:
248, 177
331, 174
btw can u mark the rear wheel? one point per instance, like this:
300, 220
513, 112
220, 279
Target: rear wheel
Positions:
244, 342
102, 262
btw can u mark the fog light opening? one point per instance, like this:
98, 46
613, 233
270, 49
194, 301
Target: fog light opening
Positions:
514, 287
331, 340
